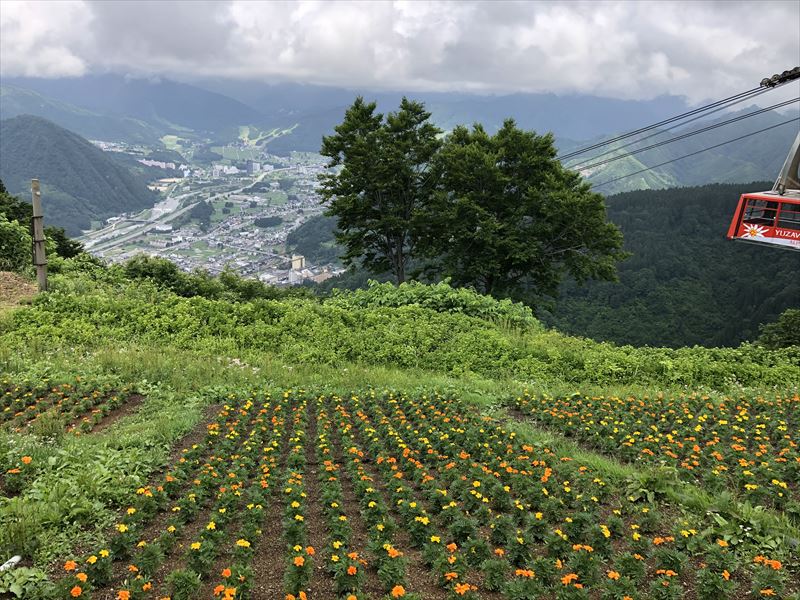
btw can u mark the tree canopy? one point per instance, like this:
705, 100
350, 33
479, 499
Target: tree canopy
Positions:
494, 212
508, 220
381, 184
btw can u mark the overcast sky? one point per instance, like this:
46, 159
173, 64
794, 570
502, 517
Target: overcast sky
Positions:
630, 49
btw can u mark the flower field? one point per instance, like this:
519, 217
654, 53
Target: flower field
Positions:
749, 446
75, 406
296, 495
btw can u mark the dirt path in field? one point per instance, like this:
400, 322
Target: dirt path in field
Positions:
130, 406
268, 558
321, 584
14, 290
360, 537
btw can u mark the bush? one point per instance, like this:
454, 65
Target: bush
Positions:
15, 246
440, 297
782, 333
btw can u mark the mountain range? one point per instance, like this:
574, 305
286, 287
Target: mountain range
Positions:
80, 183
142, 111
112, 107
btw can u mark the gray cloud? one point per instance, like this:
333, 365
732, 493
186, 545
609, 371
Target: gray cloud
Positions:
619, 49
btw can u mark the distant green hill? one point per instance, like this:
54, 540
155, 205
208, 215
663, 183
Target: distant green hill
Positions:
79, 181
757, 157
685, 283
15, 101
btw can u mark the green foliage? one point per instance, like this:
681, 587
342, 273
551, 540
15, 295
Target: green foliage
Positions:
183, 584
304, 331
782, 333
684, 283
227, 286
440, 297
15, 209
24, 582
382, 184
315, 240
508, 220
266, 222
15, 246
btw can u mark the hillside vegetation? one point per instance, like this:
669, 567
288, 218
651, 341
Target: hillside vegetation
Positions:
684, 283
249, 435
80, 182
446, 331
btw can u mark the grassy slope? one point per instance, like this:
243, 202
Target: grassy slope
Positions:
179, 379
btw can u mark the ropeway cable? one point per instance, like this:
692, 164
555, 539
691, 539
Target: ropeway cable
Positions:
585, 165
671, 128
769, 83
741, 137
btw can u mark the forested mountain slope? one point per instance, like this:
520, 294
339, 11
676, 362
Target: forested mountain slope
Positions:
79, 181
685, 283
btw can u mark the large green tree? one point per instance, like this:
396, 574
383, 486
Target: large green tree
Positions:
380, 183
510, 221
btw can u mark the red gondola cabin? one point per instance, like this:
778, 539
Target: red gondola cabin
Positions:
772, 218
768, 218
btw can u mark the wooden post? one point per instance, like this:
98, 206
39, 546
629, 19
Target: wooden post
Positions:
39, 255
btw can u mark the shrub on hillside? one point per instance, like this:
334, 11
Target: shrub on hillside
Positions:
782, 333
15, 246
440, 297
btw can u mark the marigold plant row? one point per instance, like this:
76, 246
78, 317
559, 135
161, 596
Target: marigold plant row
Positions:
73, 406
748, 446
449, 505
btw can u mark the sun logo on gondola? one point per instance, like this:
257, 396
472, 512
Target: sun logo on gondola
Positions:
754, 231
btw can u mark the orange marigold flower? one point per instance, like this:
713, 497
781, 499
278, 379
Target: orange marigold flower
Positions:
452, 547
123, 595
451, 575
613, 575
70, 565
82, 577
525, 573
76, 591
221, 588
299, 561
767, 592
310, 550
26, 460
569, 578
398, 591
352, 570
722, 543
726, 575
147, 586
499, 551
226, 572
